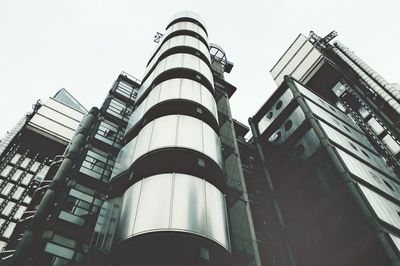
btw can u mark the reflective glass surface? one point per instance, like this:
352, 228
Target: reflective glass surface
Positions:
174, 202
171, 89
170, 131
180, 40
177, 61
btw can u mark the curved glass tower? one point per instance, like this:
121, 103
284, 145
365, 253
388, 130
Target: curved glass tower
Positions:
167, 199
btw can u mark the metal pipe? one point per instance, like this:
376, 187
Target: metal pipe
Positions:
389, 88
386, 91
36, 228
271, 190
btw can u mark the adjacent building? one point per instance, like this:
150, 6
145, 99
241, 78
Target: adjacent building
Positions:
27, 151
326, 149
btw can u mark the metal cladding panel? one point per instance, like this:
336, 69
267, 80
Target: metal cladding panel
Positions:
176, 41
172, 131
288, 55
348, 128
56, 120
175, 89
174, 202
290, 125
275, 110
370, 175
177, 61
386, 210
297, 61
354, 147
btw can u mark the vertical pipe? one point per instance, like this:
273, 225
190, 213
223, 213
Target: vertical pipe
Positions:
36, 228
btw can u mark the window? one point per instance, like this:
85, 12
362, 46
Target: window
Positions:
16, 175
59, 250
25, 162
15, 159
6, 190
288, 125
276, 136
98, 164
110, 133
18, 193
6, 170
8, 209
119, 109
81, 207
18, 214
279, 105
27, 179
10, 228
35, 166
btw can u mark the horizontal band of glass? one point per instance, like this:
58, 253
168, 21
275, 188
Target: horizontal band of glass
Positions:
176, 41
172, 131
174, 61
187, 14
173, 202
174, 89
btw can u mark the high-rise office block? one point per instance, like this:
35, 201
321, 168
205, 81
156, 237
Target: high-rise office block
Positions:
59, 223
343, 79
154, 177
27, 151
326, 161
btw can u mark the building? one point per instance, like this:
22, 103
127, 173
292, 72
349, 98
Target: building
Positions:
155, 171
60, 220
161, 174
27, 151
326, 149
178, 190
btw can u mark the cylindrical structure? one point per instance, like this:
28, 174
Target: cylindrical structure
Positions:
169, 174
385, 90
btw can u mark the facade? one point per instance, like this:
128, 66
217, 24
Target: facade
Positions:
177, 188
26, 153
155, 171
63, 212
161, 174
325, 146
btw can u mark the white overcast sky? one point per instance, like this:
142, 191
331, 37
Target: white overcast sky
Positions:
82, 45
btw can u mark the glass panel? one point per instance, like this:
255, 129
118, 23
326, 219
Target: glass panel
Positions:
59, 250
18, 214
216, 215
16, 175
129, 207
18, 193
190, 133
154, 204
6, 170
15, 159
143, 142
27, 179
189, 204
10, 228
8, 209
165, 131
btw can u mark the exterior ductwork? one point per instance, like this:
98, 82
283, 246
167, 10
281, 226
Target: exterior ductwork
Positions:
386, 91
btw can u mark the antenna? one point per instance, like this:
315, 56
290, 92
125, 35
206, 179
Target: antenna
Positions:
319, 42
